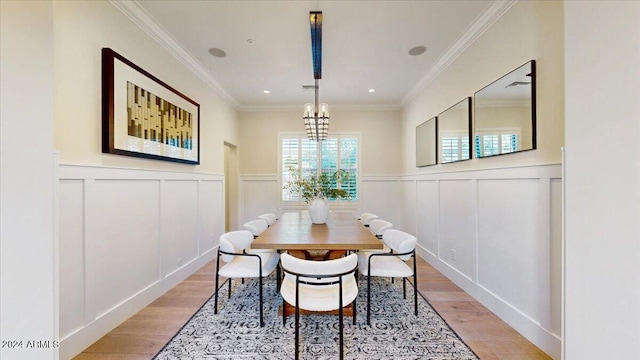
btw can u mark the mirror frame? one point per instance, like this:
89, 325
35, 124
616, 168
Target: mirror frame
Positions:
532, 74
466, 100
433, 139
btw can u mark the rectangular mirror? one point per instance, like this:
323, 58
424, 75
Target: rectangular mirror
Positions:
505, 113
426, 149
454, 131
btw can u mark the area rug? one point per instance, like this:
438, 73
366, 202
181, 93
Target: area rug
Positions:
395, 332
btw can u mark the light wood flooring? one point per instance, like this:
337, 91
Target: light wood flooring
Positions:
144, 334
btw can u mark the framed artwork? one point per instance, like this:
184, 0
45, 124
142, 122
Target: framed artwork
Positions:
144, 117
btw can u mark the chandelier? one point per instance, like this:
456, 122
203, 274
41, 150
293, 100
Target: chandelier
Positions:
316, 116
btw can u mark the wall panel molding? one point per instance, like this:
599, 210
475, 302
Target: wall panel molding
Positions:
503, 225
161, 226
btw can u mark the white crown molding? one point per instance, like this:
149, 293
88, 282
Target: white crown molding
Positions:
134, 11
492, 13
332, 108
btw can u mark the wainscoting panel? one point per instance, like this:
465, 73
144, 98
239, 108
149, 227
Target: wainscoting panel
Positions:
178, 223
122, 240
427, 215
71, 264
457, 225
211, 196
379, 195
409, 208
258, 195
126, 237
505, 227
510, 247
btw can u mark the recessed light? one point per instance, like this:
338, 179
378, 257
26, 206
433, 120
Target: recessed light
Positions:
372, 90
417, 50
217, 52
266, 91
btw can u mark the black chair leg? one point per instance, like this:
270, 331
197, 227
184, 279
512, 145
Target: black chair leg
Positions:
415, 285
215, 308
404, 288
229, 288
354, 310
297, 330
261, 318
369, 299
341, 328
284, 312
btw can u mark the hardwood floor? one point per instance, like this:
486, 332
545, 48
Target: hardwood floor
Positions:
144, 334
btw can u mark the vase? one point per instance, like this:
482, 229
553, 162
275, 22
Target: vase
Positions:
319, 210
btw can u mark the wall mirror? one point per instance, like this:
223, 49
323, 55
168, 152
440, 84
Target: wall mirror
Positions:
505, 113
454, 131
426, 149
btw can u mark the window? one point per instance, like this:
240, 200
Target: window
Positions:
496, 142
338, 152
454, 147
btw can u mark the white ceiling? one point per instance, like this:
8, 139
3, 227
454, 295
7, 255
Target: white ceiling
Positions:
365, 45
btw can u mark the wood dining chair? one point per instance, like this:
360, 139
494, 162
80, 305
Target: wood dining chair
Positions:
391, 264
319, 286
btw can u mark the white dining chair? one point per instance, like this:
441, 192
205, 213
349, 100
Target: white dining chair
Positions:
379, 226
319, 286
366, 218
270, 218
391, 264
256, 227
243, 264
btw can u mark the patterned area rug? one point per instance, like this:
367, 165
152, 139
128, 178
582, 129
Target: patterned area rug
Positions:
395, 333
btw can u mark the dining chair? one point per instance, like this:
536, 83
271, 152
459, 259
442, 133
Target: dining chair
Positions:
391, 264
366, 218
379, 226
256, 227
319, 286
270, 218
243, 264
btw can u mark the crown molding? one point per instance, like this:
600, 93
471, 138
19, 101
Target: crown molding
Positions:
483, 22
134, 11
332, 108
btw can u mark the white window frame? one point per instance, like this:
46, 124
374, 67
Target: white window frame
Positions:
495, 132
340, 204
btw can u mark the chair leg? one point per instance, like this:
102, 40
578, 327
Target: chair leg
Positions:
261, 316
404, 288
278, 277
297, 326
284, 312
369, 299
229, 288
340, 317
415, 286
354, 310
215, 308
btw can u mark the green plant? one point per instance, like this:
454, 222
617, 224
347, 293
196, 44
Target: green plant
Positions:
317, 186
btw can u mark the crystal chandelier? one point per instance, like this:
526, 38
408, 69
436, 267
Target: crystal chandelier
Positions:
316, 116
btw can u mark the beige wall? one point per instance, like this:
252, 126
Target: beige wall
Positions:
81, 29
529, 30
380, 137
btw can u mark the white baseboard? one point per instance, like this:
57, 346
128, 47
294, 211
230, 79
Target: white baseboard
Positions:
527, 327
82, 338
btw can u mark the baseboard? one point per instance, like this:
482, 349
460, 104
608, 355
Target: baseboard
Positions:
527, 327
82, 338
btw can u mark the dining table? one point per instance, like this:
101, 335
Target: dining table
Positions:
294, 231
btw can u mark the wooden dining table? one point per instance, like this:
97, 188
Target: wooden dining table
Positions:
295, 231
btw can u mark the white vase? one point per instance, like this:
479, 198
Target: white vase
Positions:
319, 210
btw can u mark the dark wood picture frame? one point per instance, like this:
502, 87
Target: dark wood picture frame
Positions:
144, 117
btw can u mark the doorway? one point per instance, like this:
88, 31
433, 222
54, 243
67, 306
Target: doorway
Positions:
230, 186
